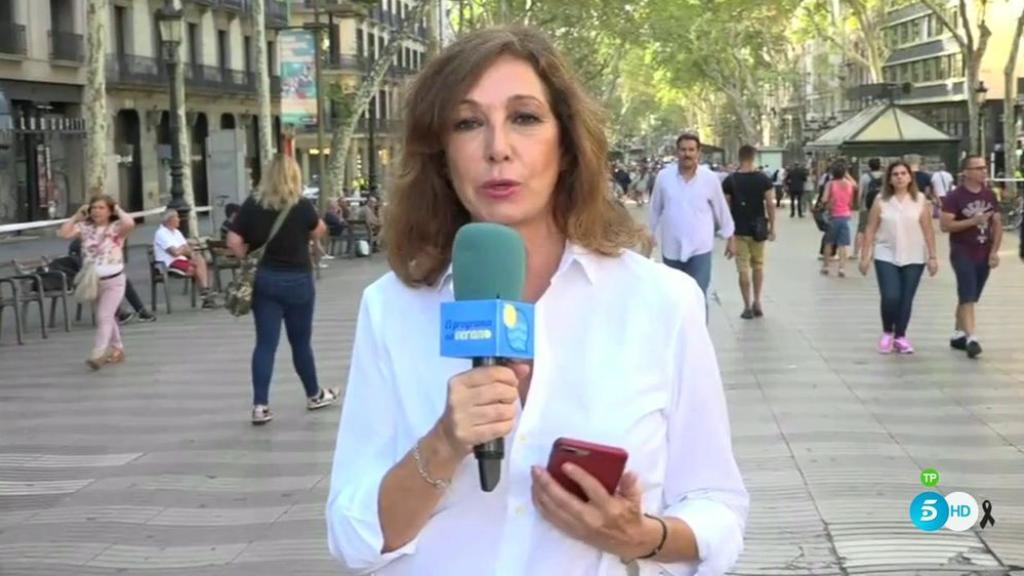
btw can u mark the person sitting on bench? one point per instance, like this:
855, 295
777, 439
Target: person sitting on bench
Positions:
172, 250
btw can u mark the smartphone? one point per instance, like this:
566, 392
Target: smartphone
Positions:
605, 463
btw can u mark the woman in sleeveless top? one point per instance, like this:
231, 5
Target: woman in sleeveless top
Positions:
840, 197
103, 228
900, 238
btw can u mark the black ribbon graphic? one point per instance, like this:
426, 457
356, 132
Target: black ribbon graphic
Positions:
987, 519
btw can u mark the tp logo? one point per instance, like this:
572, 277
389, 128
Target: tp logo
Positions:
957, 511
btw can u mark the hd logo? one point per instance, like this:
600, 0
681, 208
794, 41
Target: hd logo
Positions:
957, 511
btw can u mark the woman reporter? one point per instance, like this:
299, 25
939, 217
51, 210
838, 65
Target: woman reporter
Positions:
498, 130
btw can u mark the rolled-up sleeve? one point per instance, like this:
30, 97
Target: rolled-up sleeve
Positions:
723, 216
366, 449
703, 486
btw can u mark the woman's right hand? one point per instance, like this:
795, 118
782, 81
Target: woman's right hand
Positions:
481, 406
864, 266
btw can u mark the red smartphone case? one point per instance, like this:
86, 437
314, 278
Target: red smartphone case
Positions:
606, 463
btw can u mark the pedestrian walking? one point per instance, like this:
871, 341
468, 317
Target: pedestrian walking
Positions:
405, 497
900, 238
970, 215
687, 207
870, 186
795, 182
839, 198
103, 227
281, 218
750, 195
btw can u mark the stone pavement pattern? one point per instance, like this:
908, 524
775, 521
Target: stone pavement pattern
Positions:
152, 468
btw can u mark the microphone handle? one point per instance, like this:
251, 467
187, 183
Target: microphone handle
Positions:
489, 454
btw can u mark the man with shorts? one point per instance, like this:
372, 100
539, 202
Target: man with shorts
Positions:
970, 214
173, 251
750, 194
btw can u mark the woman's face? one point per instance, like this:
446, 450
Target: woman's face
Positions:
503, 148
900, 177
100, 212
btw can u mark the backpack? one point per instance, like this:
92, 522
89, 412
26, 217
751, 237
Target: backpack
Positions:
874, 187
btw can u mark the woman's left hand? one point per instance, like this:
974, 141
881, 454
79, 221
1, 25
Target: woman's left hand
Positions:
933, 266
613, 523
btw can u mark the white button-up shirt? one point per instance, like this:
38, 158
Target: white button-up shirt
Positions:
622, 357
688, 212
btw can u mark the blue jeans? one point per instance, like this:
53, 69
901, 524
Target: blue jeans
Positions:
288, 295
697, 267
897, 285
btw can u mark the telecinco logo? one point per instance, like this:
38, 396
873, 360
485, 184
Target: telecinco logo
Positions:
957, 511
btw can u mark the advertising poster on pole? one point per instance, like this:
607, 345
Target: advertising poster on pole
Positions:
298, 78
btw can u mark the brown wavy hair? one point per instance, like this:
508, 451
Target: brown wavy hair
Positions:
424, 211
888, 191
99, 196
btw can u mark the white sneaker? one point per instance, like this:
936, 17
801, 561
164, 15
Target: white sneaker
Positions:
327, 257
327, 397
261, 414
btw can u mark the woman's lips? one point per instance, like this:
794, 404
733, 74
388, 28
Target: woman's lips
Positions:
499, 189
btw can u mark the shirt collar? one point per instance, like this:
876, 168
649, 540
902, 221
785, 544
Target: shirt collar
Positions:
586, 260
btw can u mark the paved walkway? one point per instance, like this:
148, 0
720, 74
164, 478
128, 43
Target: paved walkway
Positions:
152, 467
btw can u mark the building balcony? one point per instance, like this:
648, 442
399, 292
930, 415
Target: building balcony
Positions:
12, 39
276, 15
143, 72
235, 5
67, 46
345, 63
339, 8
209, 3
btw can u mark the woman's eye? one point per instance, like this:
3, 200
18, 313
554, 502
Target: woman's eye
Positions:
526, 118
466, 124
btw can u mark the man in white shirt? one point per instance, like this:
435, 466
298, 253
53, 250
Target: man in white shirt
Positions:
942, 182
173, 251
688, 206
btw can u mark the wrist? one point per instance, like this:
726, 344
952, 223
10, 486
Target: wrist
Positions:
646, 538
442, 447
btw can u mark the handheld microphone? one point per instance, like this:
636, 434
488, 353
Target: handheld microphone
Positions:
486, 322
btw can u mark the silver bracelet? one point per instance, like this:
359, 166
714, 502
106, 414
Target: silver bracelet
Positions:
422, 469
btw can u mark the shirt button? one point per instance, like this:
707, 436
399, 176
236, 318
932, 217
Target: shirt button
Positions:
521, 438
520, 509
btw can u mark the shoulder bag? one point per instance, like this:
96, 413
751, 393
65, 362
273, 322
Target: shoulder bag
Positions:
238, 295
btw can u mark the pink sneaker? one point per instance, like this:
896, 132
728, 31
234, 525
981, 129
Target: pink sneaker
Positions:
903, 346
885, 344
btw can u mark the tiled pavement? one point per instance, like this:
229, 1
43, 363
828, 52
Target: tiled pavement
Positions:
152, 468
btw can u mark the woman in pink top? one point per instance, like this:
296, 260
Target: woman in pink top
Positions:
103, 227
840, 197
900, 238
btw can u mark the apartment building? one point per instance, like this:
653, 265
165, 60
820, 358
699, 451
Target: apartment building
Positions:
42, 76
41, 127
218, 52
355, 39
926, 60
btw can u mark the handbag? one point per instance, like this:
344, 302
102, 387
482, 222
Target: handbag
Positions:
87, 283
238, 295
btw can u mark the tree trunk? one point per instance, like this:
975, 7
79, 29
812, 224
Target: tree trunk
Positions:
266, 148
1009, 101
341, 138
183, 138
95, 109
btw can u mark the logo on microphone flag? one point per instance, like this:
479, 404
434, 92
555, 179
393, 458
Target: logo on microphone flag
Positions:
486, 329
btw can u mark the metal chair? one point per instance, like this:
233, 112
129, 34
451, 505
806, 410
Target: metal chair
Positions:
10, 300
221, 259
158, 274
22, 294
57, 289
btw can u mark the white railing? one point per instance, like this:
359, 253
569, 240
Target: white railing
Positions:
25, 226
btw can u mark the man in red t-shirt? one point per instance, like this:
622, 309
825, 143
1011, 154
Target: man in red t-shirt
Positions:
970, 214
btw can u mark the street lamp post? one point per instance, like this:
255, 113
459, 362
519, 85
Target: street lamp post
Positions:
170, 21
982, 92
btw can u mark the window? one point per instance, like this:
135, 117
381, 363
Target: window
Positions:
942, 63
271, 59
223, 57
360, 46
247, 53
915, 71
928, 74
193, 43
890, 74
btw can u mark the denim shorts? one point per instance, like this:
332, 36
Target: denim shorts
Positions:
971, 276
838, 231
